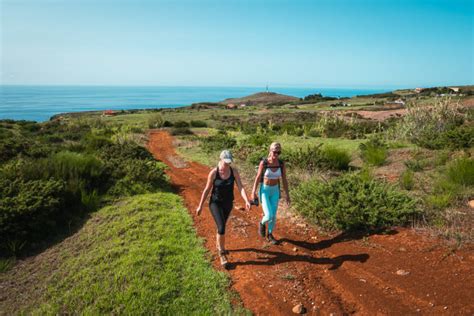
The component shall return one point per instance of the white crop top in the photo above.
(269, 174)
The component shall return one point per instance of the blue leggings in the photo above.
(269, 195)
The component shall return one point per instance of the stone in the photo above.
(299, 309)
(295, 249)
(402, 272)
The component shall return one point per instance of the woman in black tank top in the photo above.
(221, 180)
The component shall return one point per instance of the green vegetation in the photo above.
(353, 201)
(139, 256)
(456, 181)
(407, 180)
(435, 127)
(311, 158)
(374, 152)
(63, 172)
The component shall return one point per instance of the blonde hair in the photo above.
(274, 145)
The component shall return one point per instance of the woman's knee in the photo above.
(221, 230)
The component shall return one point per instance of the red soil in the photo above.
(341, 274)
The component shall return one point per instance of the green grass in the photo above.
(140, 256)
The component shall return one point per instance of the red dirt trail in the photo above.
(341, 274)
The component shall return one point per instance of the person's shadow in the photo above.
(342, 237)
(276, 257)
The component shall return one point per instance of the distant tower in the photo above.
(266, 89)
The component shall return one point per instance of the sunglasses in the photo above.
(277, 152)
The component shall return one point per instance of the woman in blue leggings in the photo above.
(270, 171)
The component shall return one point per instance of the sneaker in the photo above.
(272, 239)
(224, 262)
(261, 229)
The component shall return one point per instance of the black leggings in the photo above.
(220, 212)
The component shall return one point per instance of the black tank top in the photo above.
(223, 189)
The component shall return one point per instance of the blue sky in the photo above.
(337, 43)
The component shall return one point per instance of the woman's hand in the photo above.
(199, 210)
(247, 205)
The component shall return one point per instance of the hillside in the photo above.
(261, 98)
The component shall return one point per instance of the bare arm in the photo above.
(257, 180)
(241, 188)
(210, 179)
(285, 184)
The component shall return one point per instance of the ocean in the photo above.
(39, 103)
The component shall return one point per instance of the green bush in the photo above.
(175, 131)
(439, 201)
(416, 165)
(218, 142)
(181, 124)
(353, 201)
(94, 142)
(313, 157)
(407, 180)
(140, 177)
(198, 124)
(457, 138)
(314, 133)
(29, 210)
(167, 124)
(434, 127)
(308, 158)
(461, 171)
(156, 120)
(258, 140)
(374, 152)
(334, 158)
(452, 184)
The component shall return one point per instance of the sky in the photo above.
(323, 43)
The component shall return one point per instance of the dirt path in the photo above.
(338, 274)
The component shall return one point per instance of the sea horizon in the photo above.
(41, 102)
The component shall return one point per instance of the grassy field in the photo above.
(139, 256)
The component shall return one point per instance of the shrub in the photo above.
(198, 124)
(313, 157)
(94, 142)
(167, 124)
(407, 180)
(258, 140)
(314, 133)
(457, 138)
(181, 124)
(374, 152)
(140, 177)
(256, 155)
(29, 210)
(353, 201)
(11, 147)
(334, 158)
(156, 120)
(175, 131)
(416, 165)
(439, 201)
(332, 126)
(309, 158)
(461, 171)
(432, 126)
(218, 142)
